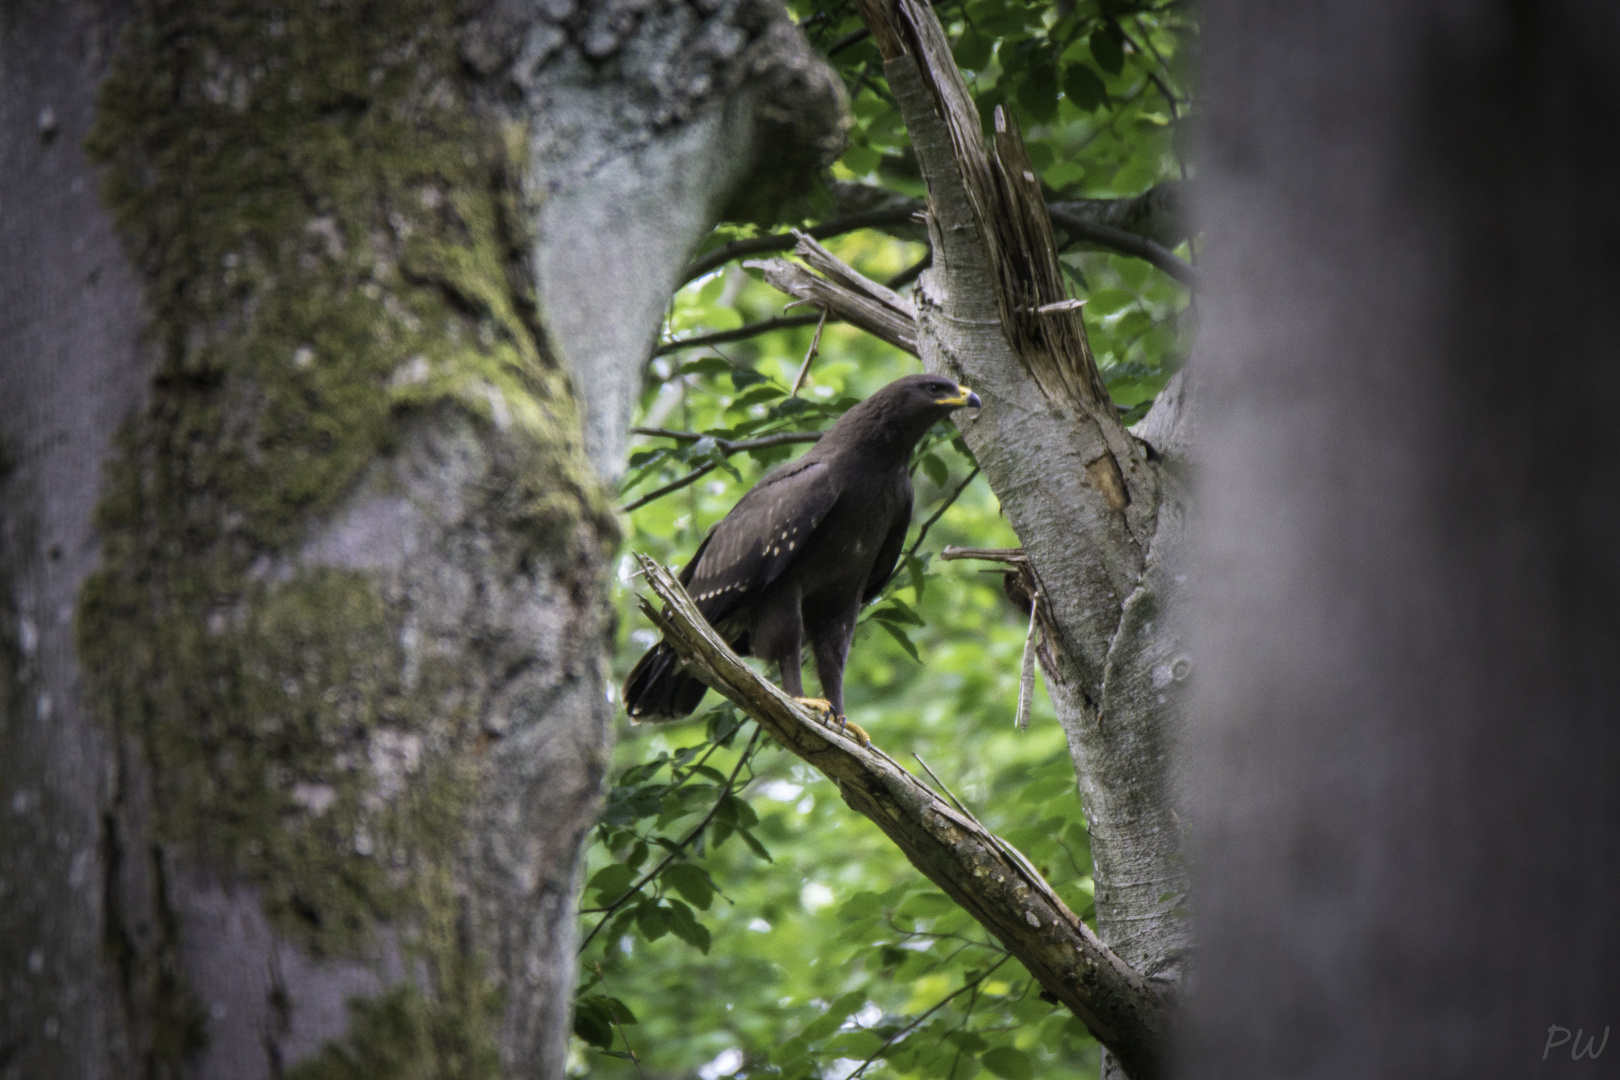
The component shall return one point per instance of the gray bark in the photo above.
(303, 674)
(1406, 736)
(71, 373)
(715, 107)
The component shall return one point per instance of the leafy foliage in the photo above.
(737, 918)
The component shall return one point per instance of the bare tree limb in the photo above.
(831, 284)
(1125, 243)
(1124, 1011)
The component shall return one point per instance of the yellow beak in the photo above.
(964, 396)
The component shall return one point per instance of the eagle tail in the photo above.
(659, 688)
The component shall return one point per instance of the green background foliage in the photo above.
(738, 918)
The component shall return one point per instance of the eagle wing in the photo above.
(763, 534)
(888, 555)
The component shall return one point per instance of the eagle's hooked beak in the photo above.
(964, 396)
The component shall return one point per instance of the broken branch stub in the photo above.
(985, 875)
(835, 287)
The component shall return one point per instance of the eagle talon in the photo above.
(824, 710)
(851, 728)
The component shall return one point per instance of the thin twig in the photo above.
(909, 1028)
(613, 1015)
(967, 1017)
(912, 272)
(725, 446)
(733, 446)
(946, 505)
(741, 333)
(815, 347)
(1026, 671)
(608, 912)
(889, 217)
(1003, 555)
(949, 793)
(674, 485)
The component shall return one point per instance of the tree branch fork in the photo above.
(1126, 1012)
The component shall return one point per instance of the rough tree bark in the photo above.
(1406, 739)
(304, 547)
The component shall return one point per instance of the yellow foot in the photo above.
(824, 707)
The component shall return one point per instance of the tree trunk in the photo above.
(305, 551)
(1406, 743)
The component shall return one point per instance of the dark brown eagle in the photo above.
(801, 552)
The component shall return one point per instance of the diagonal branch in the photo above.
(1125, 1012)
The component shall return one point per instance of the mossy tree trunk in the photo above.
(306, 542)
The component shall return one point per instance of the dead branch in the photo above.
(832, 285)
(985, 875)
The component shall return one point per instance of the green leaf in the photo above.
(861, 159)
(789, 1050)
(757, 395)
(863, 905)
(591, 1022)
(1008, 1063)
(754, 845)
(1107, 49)
(684, 925)
(926, 903)
(936, 470)
(900, 635)
(858, 1044)
(839, 1011)
(1107, 301)
(651, 920)
(898, 611)
(611, 881)
(692, 883)
(1038, 95)
(1083, 87)
(706, 365)
(972, 50)
(720, 832)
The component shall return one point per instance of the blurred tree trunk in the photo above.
(305, 542)
(1406, 743)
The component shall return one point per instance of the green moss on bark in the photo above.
(403, 1035)
(323, 222)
